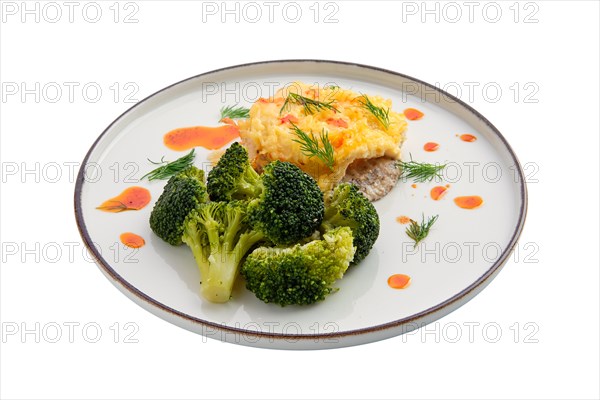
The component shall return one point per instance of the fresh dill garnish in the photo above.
(332, 87)
(170, 168)
(419, 172)
(118, 207)
(310, 145)
(418, 232)
(382, 114)
(309, 105)
(234, 112)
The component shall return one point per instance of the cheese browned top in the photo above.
(354, 132)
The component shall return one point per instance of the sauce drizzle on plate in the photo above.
(468, 202)
(211, 138)
(130, 199)
(132, 240)
(412, 114)
(468, 137)
(399, 281)
(431, 146)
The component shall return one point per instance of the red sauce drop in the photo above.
(403, 219)
(467, 138)
(399, 281)
(339, 122)
(431, 146)
(133, 198)
(468, 202)
(288, 118)
(438, 192)
(210, 138)
(413, 114)
(132, 240)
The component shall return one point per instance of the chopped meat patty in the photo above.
(374, 177)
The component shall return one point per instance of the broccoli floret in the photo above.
(290, 206)
(233, 177)
(302, 274)
(182, 193)
(346, 206)
(219, 238)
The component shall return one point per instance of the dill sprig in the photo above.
(419, 172)
(419, 231)
(118, 207)
(382, 114)
(309, 105)
(309, 145)
(235, 112)
(170, 168)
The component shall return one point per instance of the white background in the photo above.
(545, 301)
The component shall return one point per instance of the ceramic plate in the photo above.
(462, 254)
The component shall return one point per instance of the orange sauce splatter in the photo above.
(414, 186)
(339, 122)
(448, 185)
(413, 114)
(210, 138)
(399, 281)
(438, 192)
(467, 138)
(288, 118)
(431, 146)
(132, 240)
(133, 198)
(468, 202)
(403, 219)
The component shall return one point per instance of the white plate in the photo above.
(463, 253)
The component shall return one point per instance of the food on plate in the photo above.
(285, 203)
(420, 172)
(168, 169)
(281, 211)
(219, 236)
(131, 199)
(346, 206)
(300, 274)
(300, 122)
(419, 231)
(229, 113)
(375, 177)
(183, 193)
(233, 177)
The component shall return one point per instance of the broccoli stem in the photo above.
(225, 263)
(192, 239)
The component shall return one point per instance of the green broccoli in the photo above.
(219, 238)
(290, 206)
(346, 206)
(233, 177)
(302, 274)
(182, 193)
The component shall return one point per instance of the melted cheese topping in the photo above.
(354, 132)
